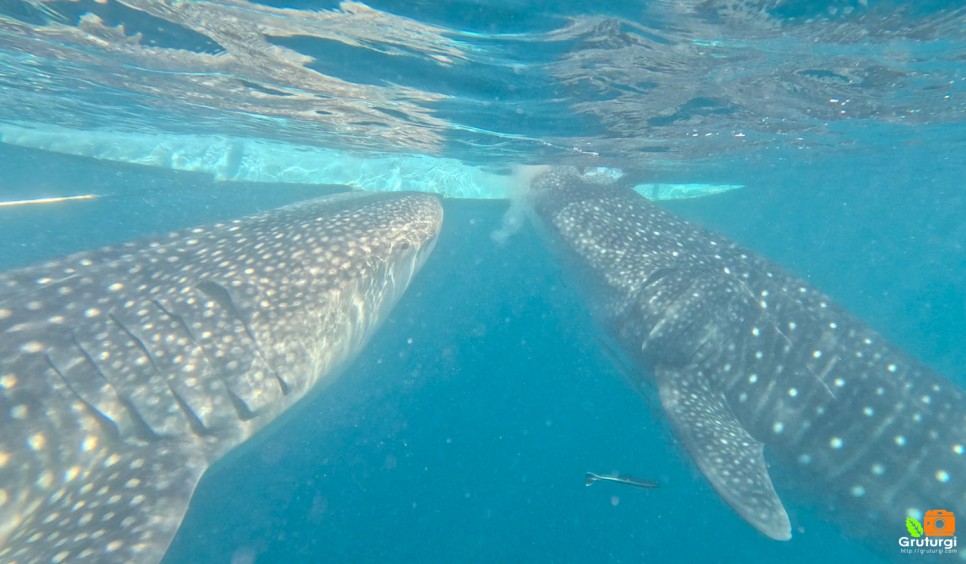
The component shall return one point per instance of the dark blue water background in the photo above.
(464, 430)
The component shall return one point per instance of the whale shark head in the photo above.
(595, 228)
(125, 372)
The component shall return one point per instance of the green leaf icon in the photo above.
(914, 527)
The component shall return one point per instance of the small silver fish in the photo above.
(590, 478)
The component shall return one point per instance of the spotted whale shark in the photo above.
(125, 372)
(749, 361)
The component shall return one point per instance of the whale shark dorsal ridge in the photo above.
(125, 372)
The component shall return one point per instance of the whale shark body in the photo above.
(746, 358)
(125, 372)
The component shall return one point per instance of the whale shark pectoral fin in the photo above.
(730, 458)
(125, 506)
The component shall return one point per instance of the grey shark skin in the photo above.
(746, 357)
(125, 372)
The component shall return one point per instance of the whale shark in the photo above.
(750, 362)
(125, 372)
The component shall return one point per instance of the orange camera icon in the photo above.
(939, 523)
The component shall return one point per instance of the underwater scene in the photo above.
(497, 281)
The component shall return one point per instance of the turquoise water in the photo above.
(463, 432)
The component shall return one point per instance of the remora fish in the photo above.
(125, 372)
(746, 356)
(590, 478)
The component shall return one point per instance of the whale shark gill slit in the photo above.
(223, 298)
(108, 426)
